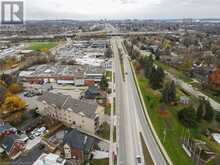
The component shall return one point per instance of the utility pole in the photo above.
(164, 135)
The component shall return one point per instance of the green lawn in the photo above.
(174, 71)
(104, 131)
(109, 75)
(114, 134)
(213, 94)
(107, 110)
(168, 122)
(37, 46)
(100, 162)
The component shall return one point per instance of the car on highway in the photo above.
(138, 158)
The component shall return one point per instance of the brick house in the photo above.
(78, 146)
(214, 79)
(13, 146)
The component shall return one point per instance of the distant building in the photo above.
(214, 79)
(78, 146)
(63, 74)
(74, 113)
(93, 75)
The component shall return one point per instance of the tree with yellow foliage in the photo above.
(15, 88)
(13, 103)
(44, 50)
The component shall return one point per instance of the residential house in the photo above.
(78, 146)
(13, 146)
(93, 75)
(92, 92)
(49, 159)
(214, 79)
(184, 100)
(72, 112)
(201, 72)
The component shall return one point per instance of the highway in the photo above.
(131, 117)
(128, 136)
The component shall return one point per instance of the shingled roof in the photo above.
(70, 104)
(76, 139)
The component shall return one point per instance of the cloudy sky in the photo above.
(121, 9)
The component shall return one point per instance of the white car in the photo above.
(42, 129)
(138, 158)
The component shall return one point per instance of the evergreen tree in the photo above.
(205, 111)
(187, 117)
(156, 78)
(103, 83)
(169, 93)
(148, 66)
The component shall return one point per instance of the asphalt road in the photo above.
(128, 136)
(131, 118)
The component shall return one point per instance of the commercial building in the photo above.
(61, 74)
(77, 75)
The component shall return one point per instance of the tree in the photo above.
(218, 117)
(7, 78)
(187, 117)
(44, 50)
(3, 91)
(205, 111)
(169, 93)
(15, 88)
(148, 65)
(13, 103)
(156, 78)
(103, 83)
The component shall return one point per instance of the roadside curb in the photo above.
(161, 147)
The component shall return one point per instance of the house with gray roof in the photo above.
(72, 112)
(78, 145)
(13, 146)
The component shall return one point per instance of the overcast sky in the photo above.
(121, 9)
